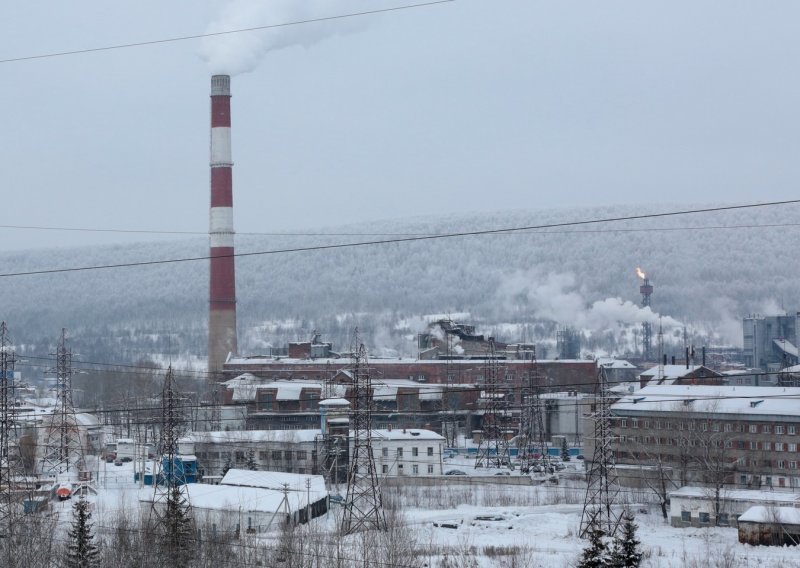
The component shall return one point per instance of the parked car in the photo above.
(455, 472)
(579, 457)
(127, 459)
(502, 473)
(117, 462)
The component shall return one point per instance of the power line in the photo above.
(407, 239)
(350, 234)
(222, 33)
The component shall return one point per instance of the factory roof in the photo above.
(611, 363)
(786, 346)
(346, 361)
(314, 484)
(406, 434)
(747, 495)
(668, 374)
(247, 436)
(243, 499)
(761, 401)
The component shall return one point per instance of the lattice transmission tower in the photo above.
(493, 446)
(63, 450)
(532, 432)
(602, 488)
(10, 461)
(363, 507)
(171, 510)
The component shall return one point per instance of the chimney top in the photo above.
(220, 85)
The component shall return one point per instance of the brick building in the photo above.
(736, 437)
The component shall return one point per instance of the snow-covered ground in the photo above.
(482, 522)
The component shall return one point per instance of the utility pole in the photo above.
(63, 451)
(493, 447)
(363, 507)
(602, 487)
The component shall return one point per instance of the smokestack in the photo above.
(222, 281)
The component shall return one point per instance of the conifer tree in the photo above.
(227, 466)
(626, 553)
(251, 461)
(82, 552)
(597, 553)
(564, 451)
(178, 537)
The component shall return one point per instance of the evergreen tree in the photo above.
(626, 553)
(82, 552)
(227, 466)
(178, 529)
(597, 553)
(251, 461)
(564, 451)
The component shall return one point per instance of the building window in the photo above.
(686, 516)
(778, 446)
(276, 455)
(430, 468)
(715, 427)
(792, 447)
(728, 444)
(635, 423)
(262, 456)
(430, 451)
(400, 469)
(766, 429)
(705, 518)
(623, 423)
(739, 444)
(287, 455)
(723, 519)
(728, 428)
(302, 454)
(415, 469)
(767, 445)
(414, 452)
(792, 465)
(790, 430)
(753, 429)
(779, 429)
(399, 452)
(385, 468)
(385, 452)
(781, 464)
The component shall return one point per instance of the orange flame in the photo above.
(639, 273)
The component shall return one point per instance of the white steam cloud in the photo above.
(557, 297)
(237, 53)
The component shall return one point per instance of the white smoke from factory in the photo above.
(559, 298)
(237, 53)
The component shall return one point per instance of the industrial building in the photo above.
(697, 506)
(740, 437)
(770, 342)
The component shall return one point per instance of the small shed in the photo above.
(770, 526)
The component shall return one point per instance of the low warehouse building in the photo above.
(770, 526)
(697, 506)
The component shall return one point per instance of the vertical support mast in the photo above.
(363, 507)
(10, 462)
(222, 278)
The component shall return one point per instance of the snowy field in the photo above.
(478, 522)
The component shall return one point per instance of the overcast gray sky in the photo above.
(467, 106)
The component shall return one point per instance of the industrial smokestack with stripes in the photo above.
(222, 281)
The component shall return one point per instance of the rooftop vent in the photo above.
(754, 403)
(638, 399)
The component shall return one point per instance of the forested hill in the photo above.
(712, 275)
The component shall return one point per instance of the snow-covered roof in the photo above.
(406, 434)
(786, 346)
(611, 363)
(762, 401)
(748, 495)
(315, 484)
(761, 514)
(378, 361)
(244, 499)
(246, 436)
(334, 402)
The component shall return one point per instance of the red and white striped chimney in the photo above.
(222, 288)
